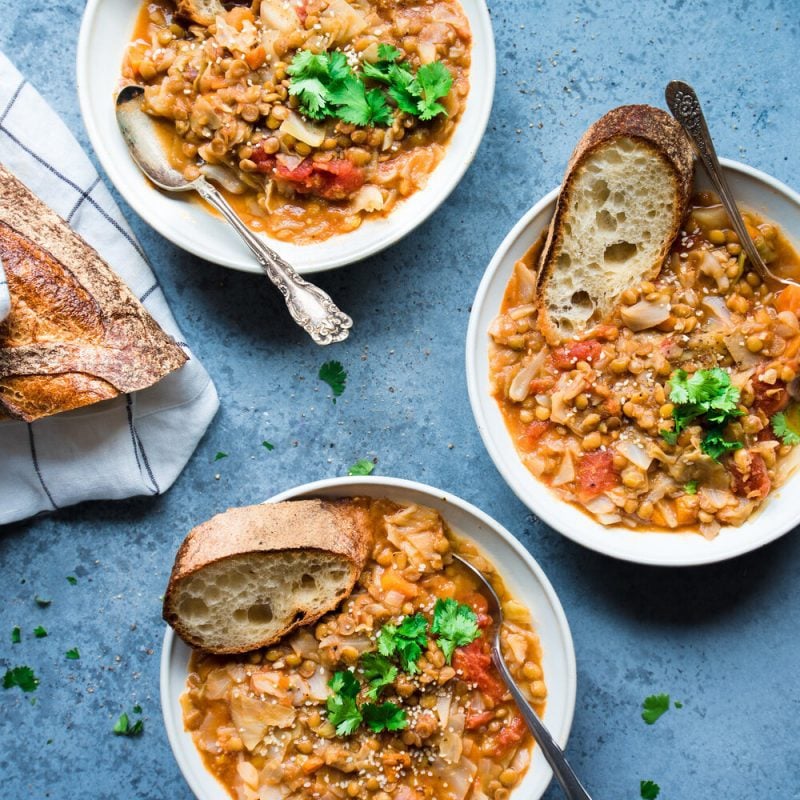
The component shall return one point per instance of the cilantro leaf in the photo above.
(22, 677)
(137, 709)
(362, 467)
(220, 455)
(385, 717)
(405, 641)
(356, 105)
(16, 635)
(649, 790)
(654, 706)
(41, 602)
(333, 373)
(456, 624)
(313, 96)
(715, 444)
(434, 81)
(379, 671)
(73, 654)
(690, 487)
(343, 711)
(123, 727)
(345, 684)
(783, 429)
(72, 580)
(678, 704)
(268, 445)
(670, 437)
(39, 632)
(388, 52)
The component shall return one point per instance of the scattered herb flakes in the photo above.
(678, 704)
(343, 711)
(39, 632)
(16, 635)
(137, 709)
(72, 580)
(784, 429)
(333, 373)
(41, 602)
(691, 487)
(268, 445)
(384, 717)
(456, 625)
(123, 726)
(22, 677)
(649, 790)
(654, 706)
(406, 641)
(73, 654)
(362, 467)
(378, 671)
(220, 455)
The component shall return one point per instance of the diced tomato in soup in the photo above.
(596, 474)
(770, 398)
(334, 180)
(568, 356)
(753, 483)
(475, 666)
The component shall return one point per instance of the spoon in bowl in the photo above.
(685, 107)
(565, 775)
(311, 308)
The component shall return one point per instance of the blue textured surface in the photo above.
(722, 639)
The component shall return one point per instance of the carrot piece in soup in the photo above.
(392, 580)
(788, 299)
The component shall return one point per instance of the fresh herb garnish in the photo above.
(72, 580)
(456, 625)
(783, 429)
(123, 726)
(690, 487)
(362, 467)
(73, 654)
(333, 373)
(654, 706)
(678, 704)
(22, 677)
(16, 635)
(268, 445)
(41, 602)
(343, 711)
(384, 717)
(715, 444)
(378, 671)
(39, 632)
(649, 790)
(405, 641)
(220, 455)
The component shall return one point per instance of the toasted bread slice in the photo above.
(620, 208)
(203, 12)
(247, 577)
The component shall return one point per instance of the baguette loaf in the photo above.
(247, 577)
(620, 208)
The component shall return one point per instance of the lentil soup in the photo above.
(680, 411)
(224, 93)
(282, 722)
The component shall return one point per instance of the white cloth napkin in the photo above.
(135, 444)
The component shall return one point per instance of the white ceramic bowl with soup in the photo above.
(754, 190)
(523, 578)
(106, 31)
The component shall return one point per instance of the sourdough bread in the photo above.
(247, 577)
(620, 208)
(203, 12)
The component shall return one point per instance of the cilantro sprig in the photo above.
(405, 641)
(362, 467)
(456, 625)
(124, 727)
(708, 397)
(384, 717)
(784, 430)
(378, 671)
(654, 706)
(16, 635)
(22, 677)
(334, 374)
(343, 711)
(649, 790)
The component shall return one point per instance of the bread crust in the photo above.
(75, 334)
(203, 12)
(656, 130)
(340, 528)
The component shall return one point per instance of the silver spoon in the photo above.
(685, 107)
(311, 308)
(565, 775)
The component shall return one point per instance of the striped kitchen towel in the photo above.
(135, 444)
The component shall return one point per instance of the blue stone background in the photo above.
(722, 639)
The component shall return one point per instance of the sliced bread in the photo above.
(620, 208)
(247, 577)
(203, 12)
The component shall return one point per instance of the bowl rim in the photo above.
(337, 254)
(174, 728)
(548, 512)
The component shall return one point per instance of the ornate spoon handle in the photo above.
(311, 308)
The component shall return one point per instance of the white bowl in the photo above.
(754, 190)
(106, 30)
(523, 577)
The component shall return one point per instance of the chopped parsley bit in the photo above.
(405, 641)
(333, 373)
(456, 624)
(22, 677)
(72, 580)
(41, 602)
(362, 467)
(73, 654)
(649, 790)
(783, 429)
(16, 635)
(220, 455)
(268, 445)
(678, 704)
(385, 717)
(691, 487)
(39, 632)
(123, 727)
(378, 671)
(343, 711)
(654, 706)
